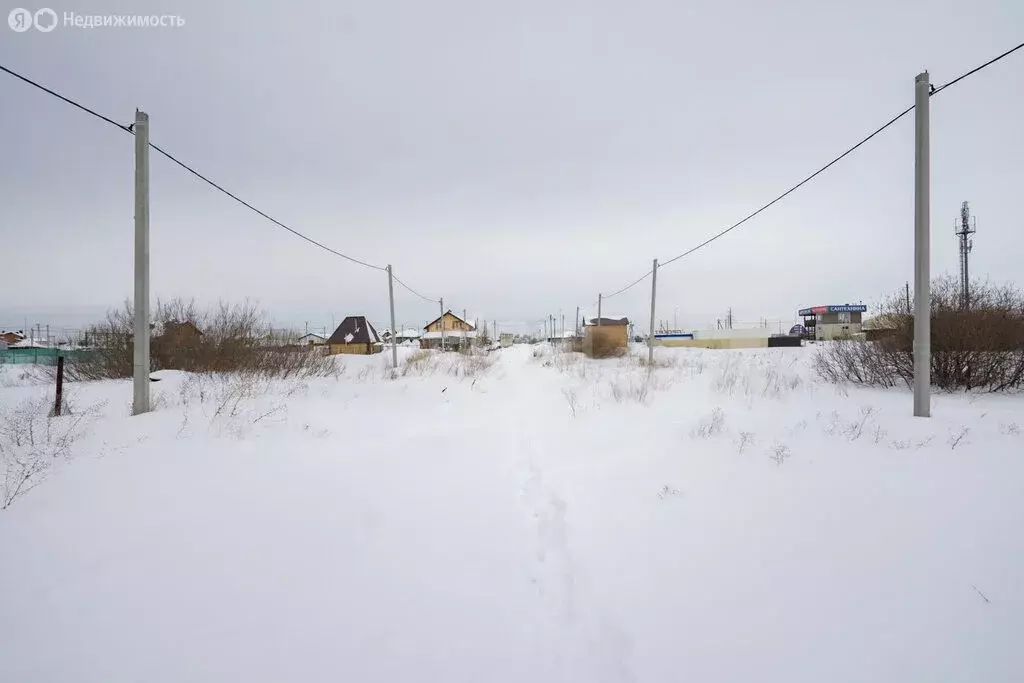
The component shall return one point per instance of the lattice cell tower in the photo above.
(965, 227)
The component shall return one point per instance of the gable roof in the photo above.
(355, 329)
(448, 312)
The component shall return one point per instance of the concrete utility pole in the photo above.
(654, 295)
(922, 246)
(599, 310)
(442, 323)
(140, 393)
(394, 332)
(576, 329)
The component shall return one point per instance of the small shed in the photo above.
(355, 335)
(606, 337)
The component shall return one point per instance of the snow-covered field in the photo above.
(546, 518)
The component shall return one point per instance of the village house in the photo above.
(11, 337)
(456, 333)
(312, 339)
(355, 335)
(175, 334)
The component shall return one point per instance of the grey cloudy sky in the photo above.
(515, 157)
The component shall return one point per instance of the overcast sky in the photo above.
(515, 158)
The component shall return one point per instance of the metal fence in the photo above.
(38, 356)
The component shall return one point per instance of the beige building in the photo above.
(607, 339)
(456, 333)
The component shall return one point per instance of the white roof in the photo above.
(26, 344)
(448, 334)
(313, 334)
(410, 333)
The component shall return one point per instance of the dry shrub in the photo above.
(974, 345)
(665, 361)
(31, 442)
(424, 363)
(234, 338)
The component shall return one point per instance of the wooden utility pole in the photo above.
(59, 400)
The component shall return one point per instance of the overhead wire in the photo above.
(425, 298)
(976, 69)
(838, 158)
(629, 286)
(128, 129)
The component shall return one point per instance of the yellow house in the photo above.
(455, 331)
(355, 335)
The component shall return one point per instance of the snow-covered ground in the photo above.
(547, 518)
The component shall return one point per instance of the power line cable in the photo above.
(791, 190)
(629, 286)
(428, 299)
(838, 158)
(65, 99)
(188, 168)
(253, 208)
(977, 69)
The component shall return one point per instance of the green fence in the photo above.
(38, 356)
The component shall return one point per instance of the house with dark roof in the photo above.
(355, 335)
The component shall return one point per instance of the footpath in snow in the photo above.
(531, 516)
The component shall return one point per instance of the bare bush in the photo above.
(709, 425)
(779, 453)
(745, 439)
(855, 429)
(31, 442)
(957, 437)
(975, 344)
(571, 398)
(660, 361)
(424, 363)
(227, 338)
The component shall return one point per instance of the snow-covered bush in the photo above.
(31, 442)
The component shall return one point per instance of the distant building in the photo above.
(507, 339)
(11, 337)
(355, 335)
(836, 321)
(605, 337)
(456, 333)
(408, 336)
(174, 334)
(312, 339)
